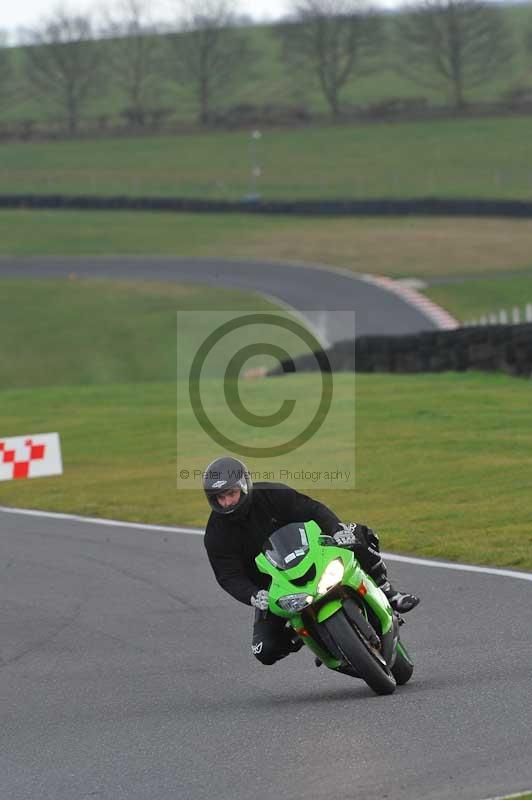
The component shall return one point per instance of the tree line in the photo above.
(68, 59)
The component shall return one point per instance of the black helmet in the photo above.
(223, 474)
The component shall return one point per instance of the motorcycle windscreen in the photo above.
(287, 546)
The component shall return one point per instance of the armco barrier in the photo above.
(422, 206)
(501, 348)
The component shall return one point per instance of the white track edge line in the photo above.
(426, 562)
(423, 562)
(509, 796)
(101, 521)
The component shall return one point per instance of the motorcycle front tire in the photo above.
(359, 654)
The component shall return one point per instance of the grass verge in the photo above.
(444, 461)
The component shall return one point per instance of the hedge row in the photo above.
(428, 206)
(497, 348)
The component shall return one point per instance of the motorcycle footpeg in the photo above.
(295, 644)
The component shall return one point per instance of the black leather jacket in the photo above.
(232, 544)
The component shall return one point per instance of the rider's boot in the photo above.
(399, 601)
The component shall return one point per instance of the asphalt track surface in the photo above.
(126, 673)
(307, 289)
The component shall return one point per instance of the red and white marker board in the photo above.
(33, 456)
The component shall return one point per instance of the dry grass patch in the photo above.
(395, 247)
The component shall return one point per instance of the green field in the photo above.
(80, 332)
(485, 157)
(440, 459)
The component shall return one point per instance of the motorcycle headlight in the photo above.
(295, 602)
(332, 575)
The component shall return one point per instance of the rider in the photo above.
(244, 515)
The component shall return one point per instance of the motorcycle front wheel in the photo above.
(361, 655)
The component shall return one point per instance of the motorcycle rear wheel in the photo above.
(360, 654)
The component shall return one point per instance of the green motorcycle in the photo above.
(334, 606)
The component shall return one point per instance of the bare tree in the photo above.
(6, 72)
(211, 53)
(527, 39)
(452, 44)
(135, 55)
(333, 39)
(63, 62)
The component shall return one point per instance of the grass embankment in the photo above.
(446, 158)
(443, 460)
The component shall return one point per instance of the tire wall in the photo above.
(496, 348)
(429, 206)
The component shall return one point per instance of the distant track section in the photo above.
(315, 292)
